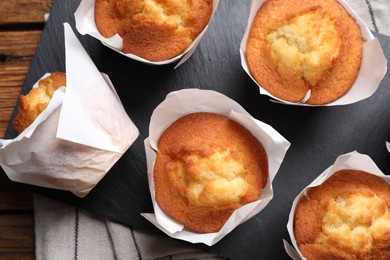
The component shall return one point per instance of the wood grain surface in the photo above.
(21, 24)
(24, 12)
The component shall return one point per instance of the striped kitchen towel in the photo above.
(375, 13)
(65, 232)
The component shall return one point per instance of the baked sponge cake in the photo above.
(297, 46)
(155, 30)
(347, 217)
(207, 166)
(32, 104)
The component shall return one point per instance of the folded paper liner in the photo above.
(75, 141)
(85, 24)
(372, 70)
(353, 160)
(186, 101)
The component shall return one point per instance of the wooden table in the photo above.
(21, 24)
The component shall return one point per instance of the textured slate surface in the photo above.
(318, 135)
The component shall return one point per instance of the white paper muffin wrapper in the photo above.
(80, 135)
(85, 24)
(353, 161)
(180, 103)
(372, 70)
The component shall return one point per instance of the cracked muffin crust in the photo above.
(347, 217)
(294, 47)
(155, 30)
(207, 166)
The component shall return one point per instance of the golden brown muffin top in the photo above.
(32, 104)
(347, 217)
(306, 45)
(297, 46)
(155, 30)
(207, 166)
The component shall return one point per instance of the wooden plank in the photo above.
(16, 229)
(15, 220)
(17, 256)
(16, 51)
(15, 200)
(24, 11)
(20, 32)
(18, 44)
(16, 234)
(12, 76)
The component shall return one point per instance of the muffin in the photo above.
(155, 30)
(347, 217)
(300, 47)
(207, 166)
(32, 104)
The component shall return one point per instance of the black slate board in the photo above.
(318, 134)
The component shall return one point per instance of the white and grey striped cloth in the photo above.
(65, 232)
(375, 13)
